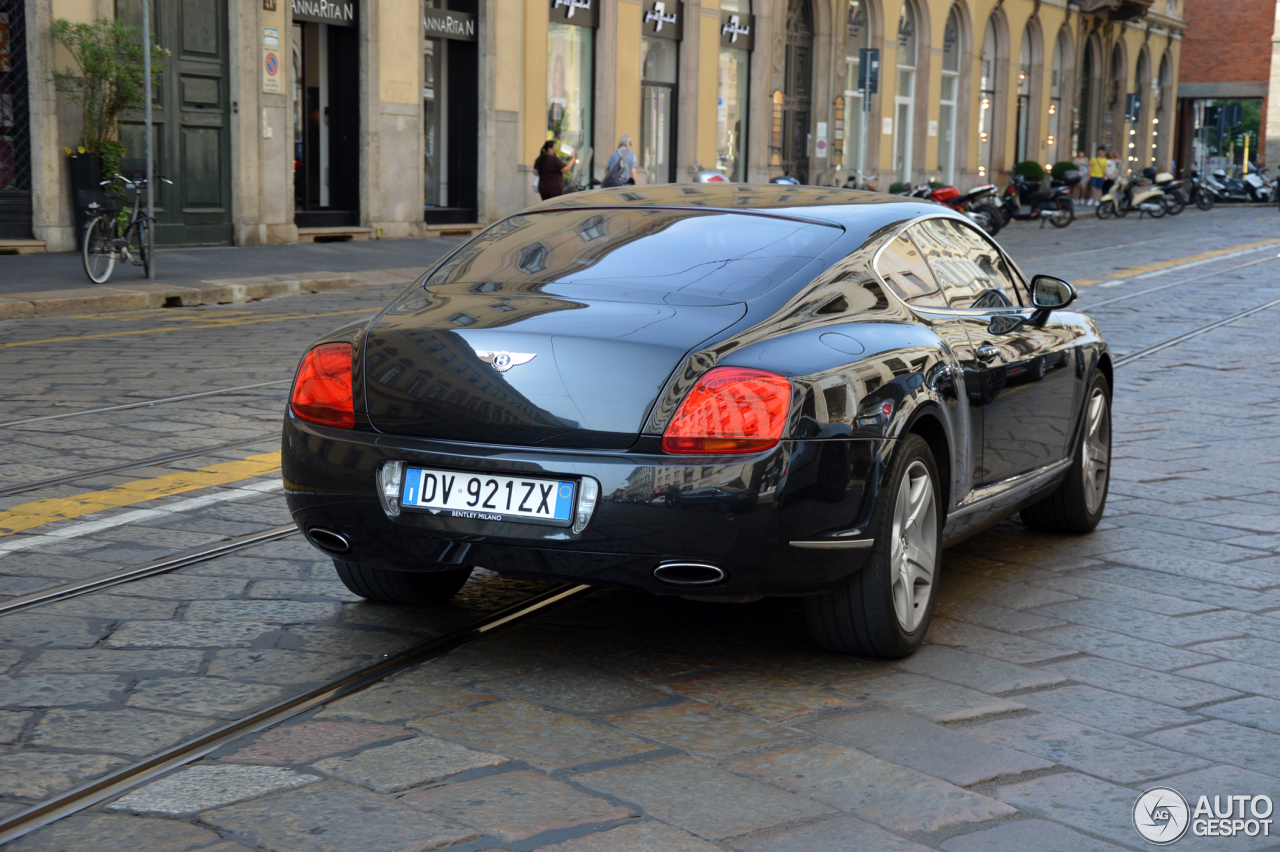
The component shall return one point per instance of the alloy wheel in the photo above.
(913, 556)
(1097, 451)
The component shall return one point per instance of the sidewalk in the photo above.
(39, 285)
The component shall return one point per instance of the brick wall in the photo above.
(1227, 41)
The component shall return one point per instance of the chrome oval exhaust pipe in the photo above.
(689, 574)
(329, 541)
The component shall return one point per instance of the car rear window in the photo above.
(641, 254)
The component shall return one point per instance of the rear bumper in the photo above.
(738, 513)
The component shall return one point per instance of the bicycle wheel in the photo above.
(99, 255)
(141, 246)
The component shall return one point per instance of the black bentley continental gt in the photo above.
(716, 390)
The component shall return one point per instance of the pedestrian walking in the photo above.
(621, 169)
(1097, 174)
(1081, 190)
(551, 170)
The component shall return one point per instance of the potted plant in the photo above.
(107, 83)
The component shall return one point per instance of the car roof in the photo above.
(855, 210)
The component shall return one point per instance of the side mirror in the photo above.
(1049, 293)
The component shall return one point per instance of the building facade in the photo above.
(1230, 53)
(281, 120)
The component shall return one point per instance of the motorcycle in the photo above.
(976, 204)
(1025, 202)
(1200, 194)
(1126, 196)
(1254, 187)
(1260, 186)
(1174, 195)
(701, 175)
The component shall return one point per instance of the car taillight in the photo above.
(730, 410)
(322, 388)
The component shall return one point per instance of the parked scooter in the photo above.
(1024, 202)
(1260, 186)
(1175, 194)
(1127, 195)
(979, 204)
(701, 175)
(1254, 187)
(1200, 194)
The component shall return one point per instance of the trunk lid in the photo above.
(511, 363)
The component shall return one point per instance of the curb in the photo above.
(137, 297)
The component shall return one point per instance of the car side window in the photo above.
(903, 268)
(971, 271)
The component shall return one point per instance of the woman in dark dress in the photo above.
(551, 170)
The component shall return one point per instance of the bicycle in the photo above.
(105, 241)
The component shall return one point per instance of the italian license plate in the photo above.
(488, 498)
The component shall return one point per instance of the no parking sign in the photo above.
(271, 82)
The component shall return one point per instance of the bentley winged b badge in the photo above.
(503, 361)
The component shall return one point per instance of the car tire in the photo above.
(416, 588)
(1076, 506)
(884, 609)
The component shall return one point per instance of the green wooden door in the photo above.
(191, 121)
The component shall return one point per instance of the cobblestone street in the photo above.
(1061, 677)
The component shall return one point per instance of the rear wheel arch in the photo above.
(927, 423)
(1104, 364)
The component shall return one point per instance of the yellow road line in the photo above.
(223, 324)
(40, 512)
(1178, 261)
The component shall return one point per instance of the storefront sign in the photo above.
(340, 13)
(272, 74)
(438, 23)
(737, 30)
(583, 13)
(664, 19)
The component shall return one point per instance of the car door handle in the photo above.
(988, 353)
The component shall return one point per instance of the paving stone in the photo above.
(202, 696)
(1241, 676)
(762, 695)
(894, 797)
(9, 657)
(805, 665)
(363, 643)
(989, 615)
(538, 737)
(699, 729)
(204, 786)
(1110, 711)
(1184, 564)
(842, 834)
(58, 690)
(703, 799)
(170, 634)
(975, 671)
(1096, 589)
(185, 587)
(334, 817)
(273, 666)
(171, 661)
(935, 700)
(408, 763)
(1157, 583)
(115, 833)
(302, 743)
(641, 837)
(1121, 648)
(392, 702)
(1251, 712)
(11, 725)
(1087, 749)
(514, 806)
(1222, 781)
(41, 630)
(1088, 804)
(1026, 834)
(575, 691)
(467, 667)
(37, 775)
(132, 732)
(911, 741)
(262, 611)
(119, 607)
(1258, 652)
(1225, 742)
(991, 643)
(1142, 683)
(1150, 626)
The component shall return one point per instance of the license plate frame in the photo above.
(492, 502)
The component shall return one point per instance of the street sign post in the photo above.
(146, 136)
